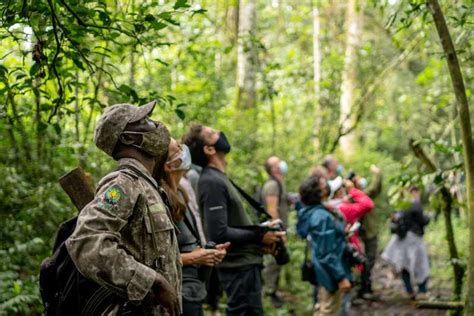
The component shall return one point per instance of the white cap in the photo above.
(335, 185)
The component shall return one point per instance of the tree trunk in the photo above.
(232, 20)
(316, 75)
(349, 75)
(447, 206)
(39, 135)
(131, 82)
(246, 56)
(466, 133)
(24, 141)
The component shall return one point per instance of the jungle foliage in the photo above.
(63, 61)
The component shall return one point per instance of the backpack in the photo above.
(65, 291)
(399, 224)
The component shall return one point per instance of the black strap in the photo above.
(280, 190)
(191, 225)
(306, 249)
(256, 205)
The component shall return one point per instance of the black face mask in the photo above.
(222, 145)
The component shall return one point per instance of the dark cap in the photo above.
(113, 122)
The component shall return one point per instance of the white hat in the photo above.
(335, 185)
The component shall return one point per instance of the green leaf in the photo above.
(158, 25)
(76, 59)
(42, 126)
(138, 27)
(150, 18)
(57, 128)
(129, 92)
(3, 71)
(181, 4)
(104, 17)
(180, 114)
(199, 11)
(167, 16)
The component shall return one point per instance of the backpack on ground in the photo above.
(399, 224)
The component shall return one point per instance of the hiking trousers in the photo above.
(243, 287)
(370, 246)
(329, 304)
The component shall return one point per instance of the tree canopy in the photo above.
(272, 74)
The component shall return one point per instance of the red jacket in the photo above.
(353, 211)
(360, 206)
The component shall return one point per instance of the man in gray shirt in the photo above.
(275, 199)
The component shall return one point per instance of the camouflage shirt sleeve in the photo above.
(96, 245)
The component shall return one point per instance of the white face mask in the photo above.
(283, 167)
(363, 183)
(185, 156)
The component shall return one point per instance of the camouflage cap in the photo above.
(113, 122)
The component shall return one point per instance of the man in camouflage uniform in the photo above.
(124, 239)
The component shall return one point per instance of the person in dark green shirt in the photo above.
(369, 233)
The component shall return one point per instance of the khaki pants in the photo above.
(271, 274)
(329, 303)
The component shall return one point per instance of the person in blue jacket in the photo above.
(325, 229)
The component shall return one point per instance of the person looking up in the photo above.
(332, 166)
(326, 230)
(369, 233)
(124, 239)
(193, 255)
(225, 220)
(275, 199)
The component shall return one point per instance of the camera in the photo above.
(353, 256)
(210, 245)
(282, 256)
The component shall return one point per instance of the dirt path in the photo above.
(393, 301)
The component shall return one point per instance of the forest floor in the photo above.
(389, 287)
(392, 298)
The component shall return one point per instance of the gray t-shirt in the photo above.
(272, 188)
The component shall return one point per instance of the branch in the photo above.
(53, 63)
(420, 154)
(369, 91)
(440, 305)
(74, 14)
(84, 24)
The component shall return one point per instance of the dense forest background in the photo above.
(299, 79)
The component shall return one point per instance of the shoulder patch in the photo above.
(113, 195)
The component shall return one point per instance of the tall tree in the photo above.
(349, 75)
(316, 73)
(466, 134)
(246, 55)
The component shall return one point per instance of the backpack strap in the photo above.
(280, 189)
(255, 205)
(306, 248)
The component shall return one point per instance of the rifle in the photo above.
(76, 184)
